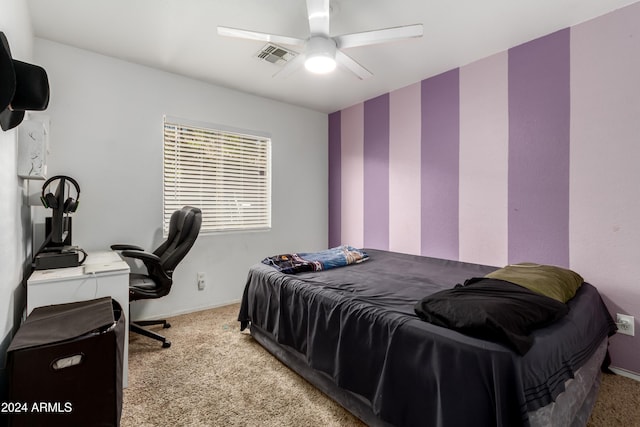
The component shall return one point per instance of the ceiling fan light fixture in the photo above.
(321, 55)
(320, 64)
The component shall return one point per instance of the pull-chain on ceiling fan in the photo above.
(321, 52)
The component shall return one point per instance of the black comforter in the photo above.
(357, 325)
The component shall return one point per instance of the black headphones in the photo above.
(49, 200)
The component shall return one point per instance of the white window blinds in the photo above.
(226, 174)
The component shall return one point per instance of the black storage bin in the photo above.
(65, 365)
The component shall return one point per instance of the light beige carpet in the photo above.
(214, 375)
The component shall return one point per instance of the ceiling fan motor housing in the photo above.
(321, 54)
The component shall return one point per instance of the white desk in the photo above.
(110, 277)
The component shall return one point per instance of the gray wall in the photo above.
(14, 214)
(106, 132)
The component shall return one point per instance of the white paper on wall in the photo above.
(32, 149)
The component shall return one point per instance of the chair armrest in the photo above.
(152, 264)
(141, 255)
(121, 247)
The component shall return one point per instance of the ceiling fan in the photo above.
(321, 52)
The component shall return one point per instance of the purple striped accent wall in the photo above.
(440, 164)
(404, 169)
(605, 201)
(539, 117)
(352, 175)
(484, 147)
(335, 180)
(376, 173)
(528, 155)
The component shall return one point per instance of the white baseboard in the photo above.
(189, 310)
(202, 308)
(625, 373)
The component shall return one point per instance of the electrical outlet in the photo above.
(625, 324)
(201, 281)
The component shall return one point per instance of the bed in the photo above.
(354, 333)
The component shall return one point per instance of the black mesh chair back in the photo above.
(184, 228)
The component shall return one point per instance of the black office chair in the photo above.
(183, 231)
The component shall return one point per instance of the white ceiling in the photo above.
(180, 36)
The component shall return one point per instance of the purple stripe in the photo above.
(376, 173)
(539, 108)
(335, 180)
(440, 148)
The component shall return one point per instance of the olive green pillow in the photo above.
(555, 282)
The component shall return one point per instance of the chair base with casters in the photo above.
(137, 327)
(142, 287)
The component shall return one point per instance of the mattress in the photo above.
(354, 330)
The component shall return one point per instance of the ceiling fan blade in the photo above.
(254, 35)
(291, 66)
(350, 64)
(378, 36)
(318, 11)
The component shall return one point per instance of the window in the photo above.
(224, 173)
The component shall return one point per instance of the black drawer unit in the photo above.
(65, 366)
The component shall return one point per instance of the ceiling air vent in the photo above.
(275, 54)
